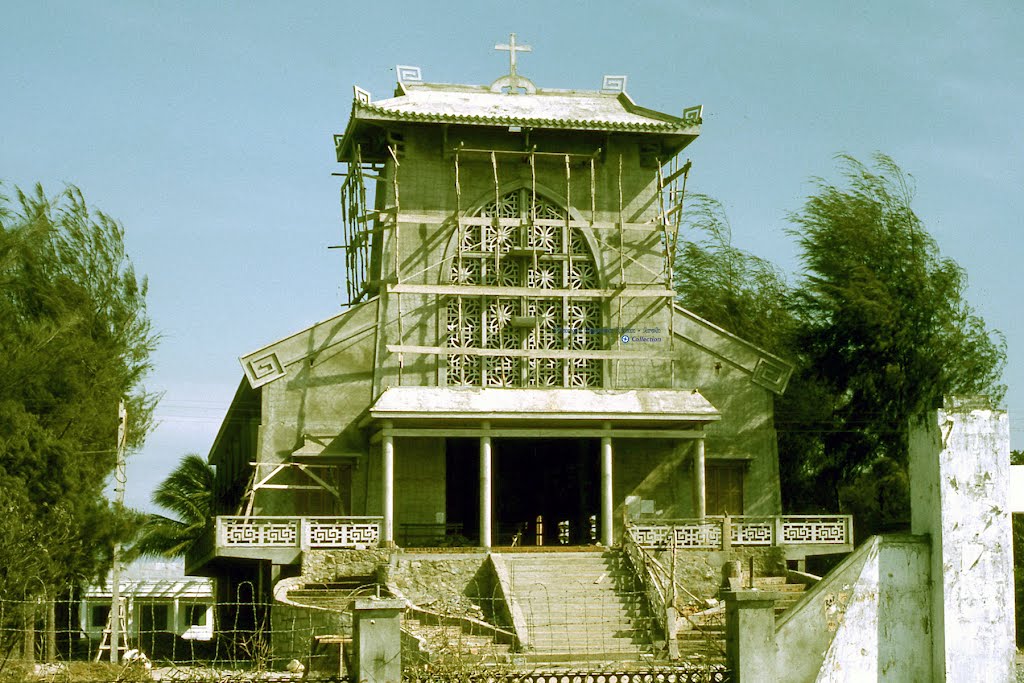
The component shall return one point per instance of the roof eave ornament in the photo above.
(693, 116)
(613, 84)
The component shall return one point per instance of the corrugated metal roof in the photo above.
(192, 587)
(545, 108)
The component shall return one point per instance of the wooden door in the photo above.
(724, 488)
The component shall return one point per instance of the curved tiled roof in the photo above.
(543, 109)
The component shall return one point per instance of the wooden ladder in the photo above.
(122, 645)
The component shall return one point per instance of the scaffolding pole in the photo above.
(622, 277)
(396, 245)
(568, 228)
(495, 217)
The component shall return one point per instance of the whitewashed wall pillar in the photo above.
(699, 490)
(485, 488)
(388, 477)
(607, 501)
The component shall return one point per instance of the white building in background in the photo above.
(159, 599)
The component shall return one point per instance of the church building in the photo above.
(512, 366)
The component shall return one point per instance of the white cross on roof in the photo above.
(512, 49)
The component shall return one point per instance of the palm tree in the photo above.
(187, 492)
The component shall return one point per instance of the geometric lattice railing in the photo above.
(298, 532)
(744, 530)
(816, 530)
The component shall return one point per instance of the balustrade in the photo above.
(298, 532)
(744, 530)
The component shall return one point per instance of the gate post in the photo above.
(750, 635)
(377, 640)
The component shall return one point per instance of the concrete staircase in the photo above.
(704, 640)
(337, 596)
(454, 643)
(580, 606)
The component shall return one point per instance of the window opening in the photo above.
(527, 244)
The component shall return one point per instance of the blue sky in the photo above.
(206, 128)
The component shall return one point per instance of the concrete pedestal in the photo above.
(750, 635)
(377, 640)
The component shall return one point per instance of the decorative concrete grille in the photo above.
(750, 531)
(284, 532)
(259, 532)
(333, 534)
(815, 530)
(755, 532)
(707, 535)
(538, 251)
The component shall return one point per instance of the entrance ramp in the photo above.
(581, 607)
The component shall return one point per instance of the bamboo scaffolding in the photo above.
(622, 277)
(397, 258)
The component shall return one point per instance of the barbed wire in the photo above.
(195, 639)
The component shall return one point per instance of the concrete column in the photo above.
(699, 493)
(377, 640)
(388, 476)
(485, 488)
(750, 635)
(959, 476)
(607, 502)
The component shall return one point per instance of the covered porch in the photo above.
(511, 453)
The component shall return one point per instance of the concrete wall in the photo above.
(427, 236)
(729, 372)
(866, 621)
(419, 482)
(653, 470)
(934, 606)
(959, 472)
(331, 372)
(324, 393)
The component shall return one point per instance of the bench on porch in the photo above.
(426, 534)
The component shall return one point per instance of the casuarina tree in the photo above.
(884, 333)
(76, 339)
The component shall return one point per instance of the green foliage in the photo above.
(877, 327)
(884, 333)
(187, 492)
(732, 288)
(76, 339)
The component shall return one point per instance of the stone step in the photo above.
(701, 635)
(544, 635)
(575, 601)
(555, 580)
(588, 579)
(580, 607)
(621, 600)
(453, 637)
(580, 621)
(540, 592)
(625, 659)
(607, 645)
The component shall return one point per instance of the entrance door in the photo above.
(557, 480)
(462, 487)
(724, 487)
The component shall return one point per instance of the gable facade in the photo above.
(512, 349)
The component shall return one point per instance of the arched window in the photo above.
(525, 244)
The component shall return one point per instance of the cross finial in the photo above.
(512, 49)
